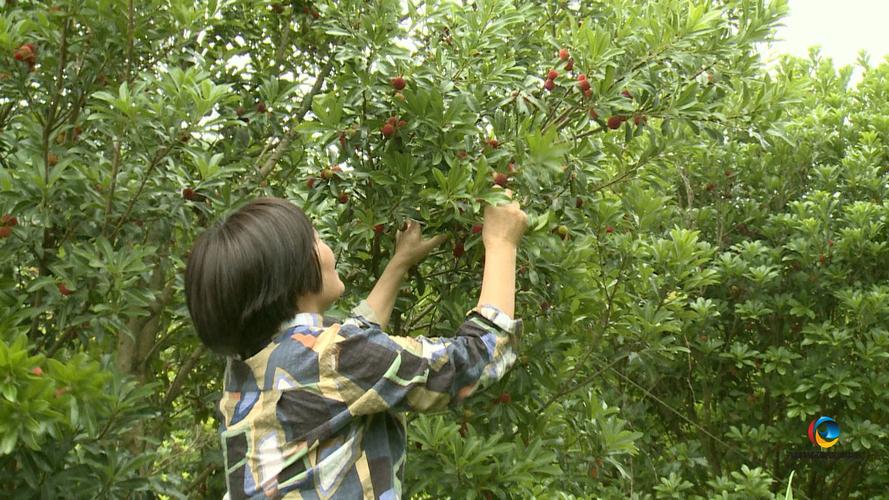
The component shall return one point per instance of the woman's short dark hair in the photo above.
(245, 273)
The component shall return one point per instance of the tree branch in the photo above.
(184, 370)
(159, 344)
(160, 155)
(115, 167)
(266, 167)
(131, 29)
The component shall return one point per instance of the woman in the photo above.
(315, 411)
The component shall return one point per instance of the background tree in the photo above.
(701, 278)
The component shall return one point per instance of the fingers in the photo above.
(436, 241)
(507, 192)
(409, 226)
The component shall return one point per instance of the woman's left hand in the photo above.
(410, 247)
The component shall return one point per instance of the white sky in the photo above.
(841, 27)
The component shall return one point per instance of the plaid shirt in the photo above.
(315, 414)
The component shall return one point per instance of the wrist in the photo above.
(495, 244)
(399, 264)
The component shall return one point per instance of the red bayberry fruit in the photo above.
(336, 168)
(64, 290)
(830, 243)
(822, 258)
(8, 220)
(494, 143)
(552, 74)
(578, 203)
(627, 94)
(59, 392)
(188, 194)
(640, 119)
(614, 122)
(27, 53)
(310, 182)
(401, 123)
(593, 114)
(21, 53)
(549, 85)
(609, 229)
(583, 85)
(5, 231)
(240, 110)
(476, 228)
(544, 306)
(343, 198)
(563, 54)
(581, 77)
(587, 93)
(379, 228)
(387, 130)
(398, 83)
(569, 65)
(392, 120)
(459, 250)
(260, 107)
(37, 371)
(462, 154)
(52, 159)
(504, 398)
(500, 179)
(343, 140)
(511, 168)
(710, 187)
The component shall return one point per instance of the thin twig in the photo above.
(555, 397)
(680, 415)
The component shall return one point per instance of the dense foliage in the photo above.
(702, 276)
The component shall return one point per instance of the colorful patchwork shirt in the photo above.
(317, 413)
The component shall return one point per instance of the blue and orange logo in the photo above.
(824, 431)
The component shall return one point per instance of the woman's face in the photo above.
(332, 286)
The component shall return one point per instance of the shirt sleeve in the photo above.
(373, 371)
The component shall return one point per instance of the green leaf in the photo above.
(546, 150)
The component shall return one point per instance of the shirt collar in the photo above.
(311, 320)
(304, 319)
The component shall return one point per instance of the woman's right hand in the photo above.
(504, 224)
